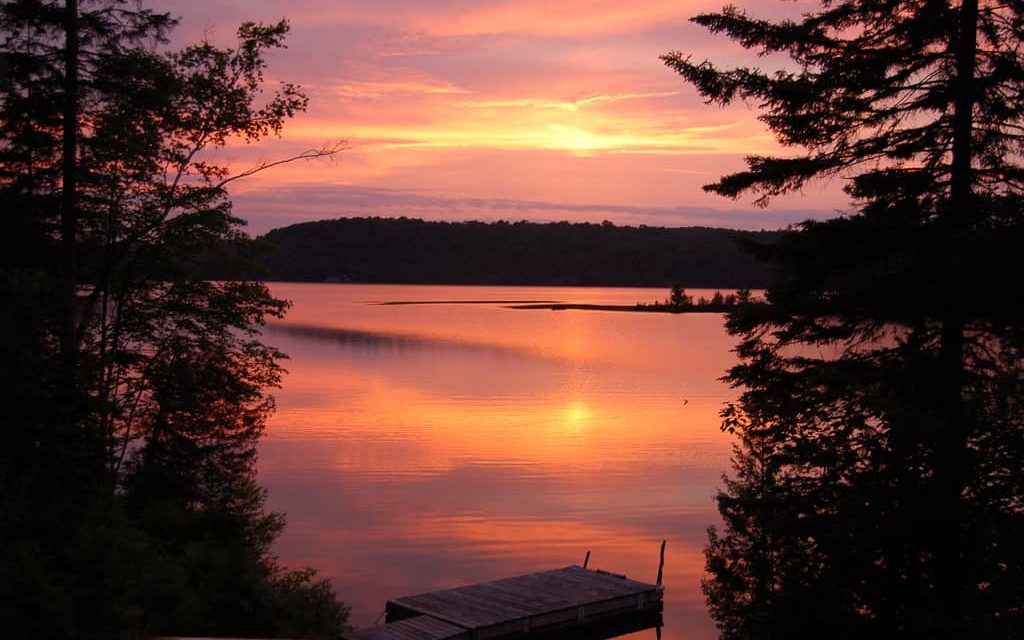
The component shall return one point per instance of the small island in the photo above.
(677, 302)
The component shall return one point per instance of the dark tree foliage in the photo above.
(408, 250)
(877, 487)
(678, 297)
(133, 393)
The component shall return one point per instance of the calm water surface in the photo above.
(426, 446)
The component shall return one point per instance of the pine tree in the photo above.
(888, 364)
(133, 391)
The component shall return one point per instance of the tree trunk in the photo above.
(68, 199)
(953, 430)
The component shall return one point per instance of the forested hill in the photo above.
(404, 250)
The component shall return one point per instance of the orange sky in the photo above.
(510, 109)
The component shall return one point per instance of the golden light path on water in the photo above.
(425, 446)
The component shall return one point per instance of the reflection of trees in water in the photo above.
(382, 341)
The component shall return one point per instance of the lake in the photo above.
(425, 446)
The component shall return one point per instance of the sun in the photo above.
(576, 417)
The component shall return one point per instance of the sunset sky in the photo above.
(510, 109)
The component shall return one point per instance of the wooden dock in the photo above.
(554, 601)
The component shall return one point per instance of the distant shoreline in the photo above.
(639, 308)
(580, 306)
(502, 302)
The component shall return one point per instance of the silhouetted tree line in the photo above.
(132, 393)
(407, 250)
(877, 488)
(679, 301)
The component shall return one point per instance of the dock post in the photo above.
(586, 560)
(661, 562)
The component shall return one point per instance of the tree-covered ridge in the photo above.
(413, 251)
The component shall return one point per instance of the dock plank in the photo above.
(418, 628)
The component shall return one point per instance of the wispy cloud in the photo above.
(368, 90)
(565, 105)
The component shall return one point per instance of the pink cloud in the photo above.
(515, 100)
